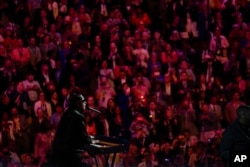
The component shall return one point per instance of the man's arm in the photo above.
(83, 135)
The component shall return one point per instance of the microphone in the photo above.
(92, 109)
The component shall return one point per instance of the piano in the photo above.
(103, 145)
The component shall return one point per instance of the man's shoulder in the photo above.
(74, 114)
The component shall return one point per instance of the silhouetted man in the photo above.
(236, 138)
(71, 135)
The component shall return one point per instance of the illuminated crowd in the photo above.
(167, 76)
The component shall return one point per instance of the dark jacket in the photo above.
(235, 140)
(70, 138)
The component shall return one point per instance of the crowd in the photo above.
(167, 75)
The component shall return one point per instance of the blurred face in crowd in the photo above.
(218, 16)
(51, 87)
(8, 33)
(103, 81)
(90, 101)
(184, 65)
(139, 45)
(54, 95)
(42, 96)
(236, 96)
(53, 28)
(66, 45)
(185, 103)
(152, 106)
(193, 140)
(82, 9)
(40, 113)
(127, 49)
(214, 100)
(167, 146)
(157, 35)
(72, 12)
(127, 33)
(239, 19)
(181, 139)
(64, 92)
(113, 47)
(104, 64)
(126, 89)
(217, 32)
(183, 76)
(28, 160)
(45, 68)
(156, 148)
(97, 39)
(205, 108)
(104, 27)
(32, 41)
(112, 15)
(19, 43)
(117, 110)
(202, 78)
(133, 149)
(46, 39)
(27, 20)
(43, 13)
(30, 77)
(145, 36)
(6, 99)
(111, 103)
(59, 109)
(168, 47)
(14, 111)
(19, 87)
(169, 113)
